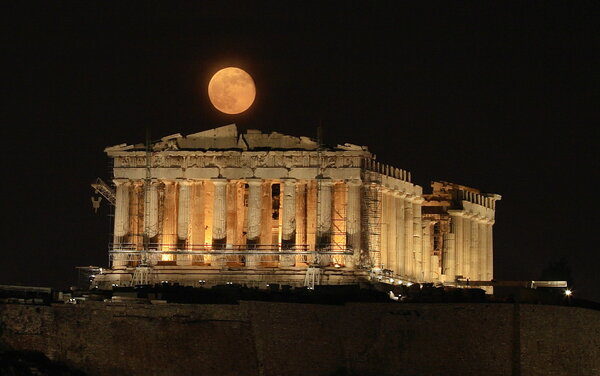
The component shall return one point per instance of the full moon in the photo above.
(231, 90)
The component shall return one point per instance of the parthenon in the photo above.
(253, 208)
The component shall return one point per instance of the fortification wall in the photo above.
(262, 338)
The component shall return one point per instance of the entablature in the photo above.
(240, 159)
(195, 173)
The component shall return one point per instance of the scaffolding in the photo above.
(371, 207)
(143, 271)
(314, 271)
(338, 222)
(313, 277)
(142, 276)
(155, 252)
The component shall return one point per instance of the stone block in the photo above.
(201, 173)
(271, 173)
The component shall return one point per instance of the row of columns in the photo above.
(469, 251)
(254, 214)
(402, 236)
(405, 248)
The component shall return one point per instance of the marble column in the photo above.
(386, 259)
(324, 219)
(121, 209)
(151, 211)
(392, 236)
(457, 228)
(452, 258)
(311, 217)
(490, 250)
(183, 210)
(219, 233)
(400, 234)
(384, 231)
(254, 218)
(467, 219)
(427, 246)
(121, 224)
(288, 225)
(449, 257)
(183, 220)
(409, 255)
(301, 220)
(418, 239)
(232, 216)
(353, 223)
(168, 231)
(482, 250)
(197, 239)
(475, 249)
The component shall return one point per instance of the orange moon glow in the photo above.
(231, 90)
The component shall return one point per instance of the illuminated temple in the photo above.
(220, 207)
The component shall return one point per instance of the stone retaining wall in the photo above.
(262, 338)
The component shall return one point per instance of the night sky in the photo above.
(502, 97)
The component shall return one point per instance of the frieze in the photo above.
(253, 160)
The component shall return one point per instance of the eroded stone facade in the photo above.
(254, 208)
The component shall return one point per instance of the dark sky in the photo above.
(502, 97)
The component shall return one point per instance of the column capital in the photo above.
(119, 181)
(184, 182)
(354, 182)
(476, 218)
(324, 181)
(254, 181)
(219, 181)
(468, 214)
(288, 180)
(493, 196)
(417, 200)
(481, 219)
(399, 194)
(456, 213)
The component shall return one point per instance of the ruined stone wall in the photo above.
(261, 338)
